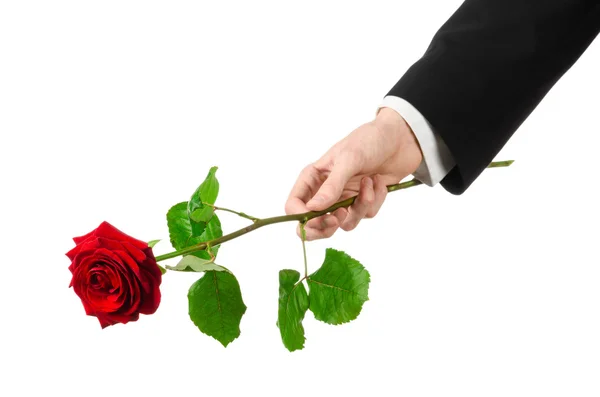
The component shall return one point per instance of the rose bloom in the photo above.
(115, 275)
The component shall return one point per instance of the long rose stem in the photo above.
(304, 217)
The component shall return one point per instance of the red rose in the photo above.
(115, 276)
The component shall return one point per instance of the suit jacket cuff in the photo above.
(437, 159)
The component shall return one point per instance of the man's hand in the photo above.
(376, 154)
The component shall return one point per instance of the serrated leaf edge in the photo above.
(220, 311)
(287, 303)
(366, 299)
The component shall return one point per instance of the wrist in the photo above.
(399, 133)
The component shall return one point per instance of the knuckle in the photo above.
(307, 170)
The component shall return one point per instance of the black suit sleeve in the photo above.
(488, 67)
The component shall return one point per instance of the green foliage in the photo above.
(202, 214)
(182, 235)
(206, 193)
(216, 306)
(293, 304)
(197, 227)
(152, 243)
(338, 289)
(191, 263)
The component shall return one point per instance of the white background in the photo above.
(115, 110)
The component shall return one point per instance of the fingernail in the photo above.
(341, 216)
(316, 200)
(369, 182)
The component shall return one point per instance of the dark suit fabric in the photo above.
(488, 67)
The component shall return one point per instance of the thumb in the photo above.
(332, 188)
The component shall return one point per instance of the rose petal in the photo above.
(131, 281)
(96, 298)
(150, 300)
(105, 320)
(135, 252)
(106, 243)
(73, 252)
(109, 231)
(151, 265)
(128, 261)
(115, 276)
(86, 248)
(81, 239)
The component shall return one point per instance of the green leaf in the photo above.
(216, 306)
(213, 231)
(202, 214)
(293, 304)
(197, 227)
(338, 289)
(207, 192)
(191, 263)
(209, 189)
(152, 243)
(162, 269)
(182, 235)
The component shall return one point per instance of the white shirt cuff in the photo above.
(437, 160)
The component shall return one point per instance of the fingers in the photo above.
(319, 223)
(380, 190)
(345, 168)
(326, 227)
(308, 182)
(302, 191)
(341, 214)
(372, 194)
(358, 210)
(294, 205)
(370, 199)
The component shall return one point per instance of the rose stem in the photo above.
(304, 217)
